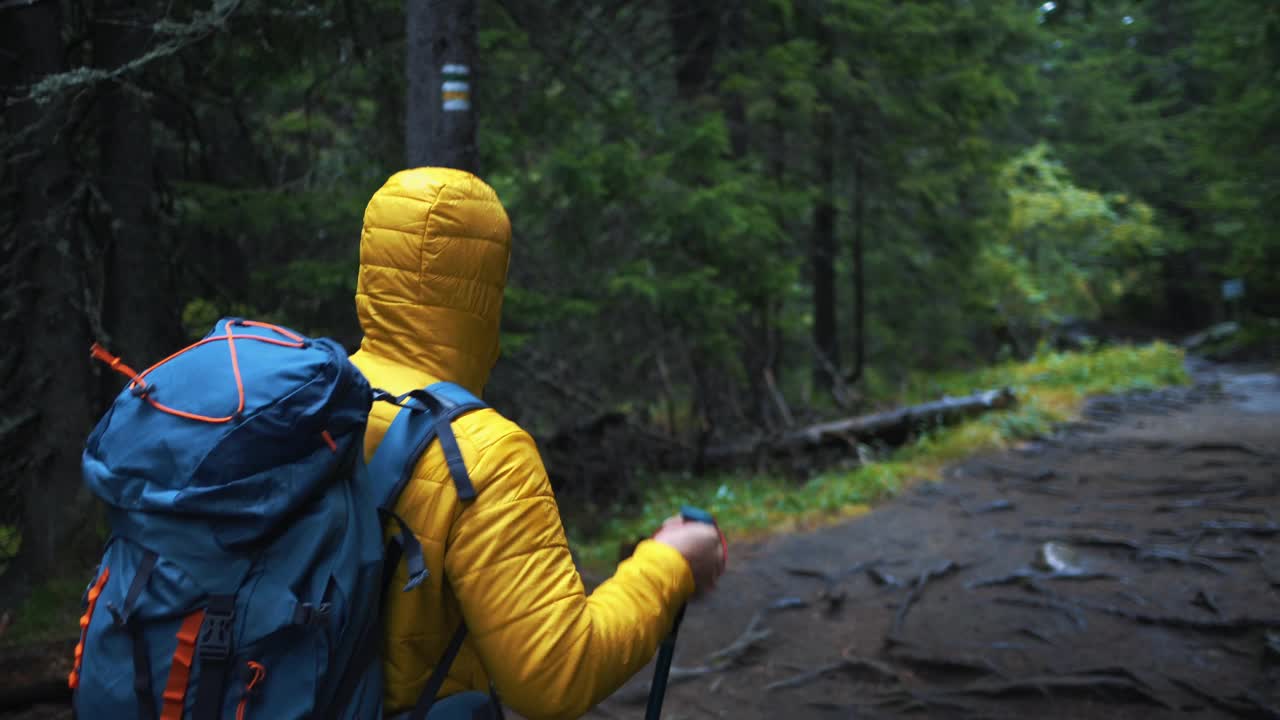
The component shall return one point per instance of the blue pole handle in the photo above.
(658, 689)
(694, 514)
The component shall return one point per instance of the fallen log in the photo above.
(890, 426)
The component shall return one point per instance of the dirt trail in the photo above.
(1159, 513)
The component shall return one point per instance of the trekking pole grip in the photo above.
(662, 669)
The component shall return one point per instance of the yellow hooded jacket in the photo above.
(433, 265)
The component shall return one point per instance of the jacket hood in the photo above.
(434, 253)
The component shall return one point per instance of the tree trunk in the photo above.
(736, 105)
(859, 278)
(441, 67)
(138, 302)
(822, 247)
(758, 352)
(757, 359)
(694, 33)
(53, 374)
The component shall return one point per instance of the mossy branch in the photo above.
(178, 36)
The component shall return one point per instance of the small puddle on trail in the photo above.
(1251, 388)
(1254, 392)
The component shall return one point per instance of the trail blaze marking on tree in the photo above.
(1233, 289)
(455, 91)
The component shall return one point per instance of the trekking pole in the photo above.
(658, 689)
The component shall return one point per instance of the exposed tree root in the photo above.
(1237, 624)
(876, 669)
(1177, 556)
(1246, 705)
(1036, 634)
(943, 569)
(906, 700)
(1098, 540)
(1219, 504)
(882, 578)
(1240, 447)
(1106, 682)
(755, 633)
(1207, 601)
(1076, 617)
(831, 592)
(1025, 575)
(919, 657)
(1236, 486)
(718, 661)
(1269, 529)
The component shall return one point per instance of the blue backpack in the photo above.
(246, 565)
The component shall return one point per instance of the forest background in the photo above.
(729, 218)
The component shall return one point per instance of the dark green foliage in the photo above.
(1176, 103)
(1009, 167)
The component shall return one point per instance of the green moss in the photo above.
(10, 542)
(51, 612)
(1118, 368)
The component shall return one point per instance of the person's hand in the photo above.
(700, 545)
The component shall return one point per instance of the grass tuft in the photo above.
(50, 612)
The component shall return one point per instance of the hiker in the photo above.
(433, 264)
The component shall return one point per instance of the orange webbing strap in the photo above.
(138, 381)
(259, 674)
(273, 328)
(97, 352)
(175, 689)
(73, 680)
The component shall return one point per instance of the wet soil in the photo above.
(1127, 567)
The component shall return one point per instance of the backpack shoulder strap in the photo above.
(451, 402)
(454, 398)
(438, 675)
(425, 415)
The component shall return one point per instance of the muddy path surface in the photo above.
(1127, 567)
